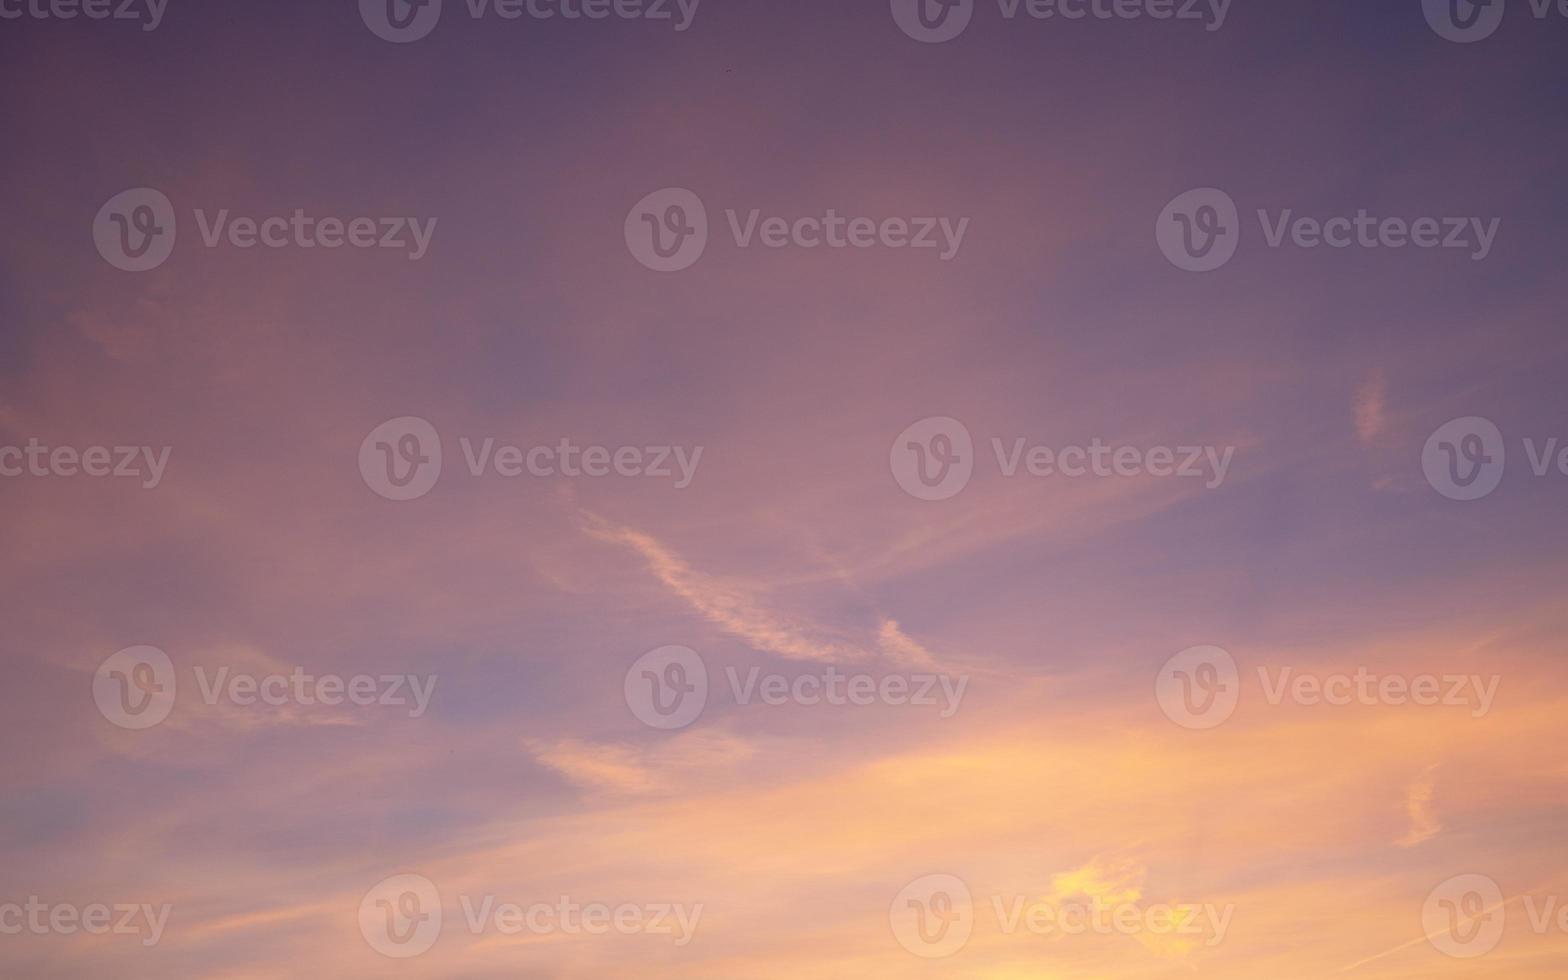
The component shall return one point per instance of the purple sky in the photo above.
(1323, 376)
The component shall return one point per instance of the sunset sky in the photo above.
(1312, 538)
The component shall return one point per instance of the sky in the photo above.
(761, 490)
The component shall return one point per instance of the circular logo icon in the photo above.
(1199, 230)
(1199, 687)
(1464, 459)
(135, 687)
(667, 688)
(933, 459)
(135, 229)
(401, 916)
(933, 21)
(933, 916)
(667, 231)
(1464, 916)
(1464, 21)
(401, 458)
(400, 21)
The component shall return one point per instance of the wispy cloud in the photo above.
(1371, 408)
(1418, 804)
(631, 769)
(727, 605)
(745, 613)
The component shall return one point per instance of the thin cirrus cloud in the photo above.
(738, 611)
